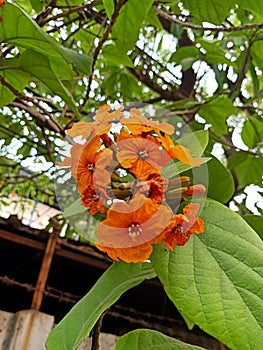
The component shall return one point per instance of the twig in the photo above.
(212, 29)
(225, 142)
(95, 345)
(66, 13)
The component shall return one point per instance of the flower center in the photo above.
(91, 167)
(95, 197)
(178, 229)
(143, 154)
(134, 230)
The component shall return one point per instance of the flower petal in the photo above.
(81, 128)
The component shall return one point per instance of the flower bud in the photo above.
(121, 194)
(182, 181)
(176, 193)
(195, 190)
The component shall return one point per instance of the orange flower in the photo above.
(131, 228)
(88, 164)
(103, 115)
(142, 156)
(139, 124)
(177, 151)
(94, 199)
(154, 187)
(182, 226)
(81, 128)
(72, 161)
(100, 125)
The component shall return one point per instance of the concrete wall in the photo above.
(28, 330)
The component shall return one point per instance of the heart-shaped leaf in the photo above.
(216, 279)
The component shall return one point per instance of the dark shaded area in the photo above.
(74, 270)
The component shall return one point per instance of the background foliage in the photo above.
(201, 60)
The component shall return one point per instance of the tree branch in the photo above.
(41, 120)
(49, 122)
(170, 95)
(107, 32)
(216, 29)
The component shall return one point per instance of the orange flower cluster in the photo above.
(118, 169)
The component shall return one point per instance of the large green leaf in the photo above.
(252, 132)
(216, 112)
(216, 279)
(146, 339)
(220, 181)
(27, 34)
(247, 167)
(195, 141)
(17, 79)
(174, 168)
(256, 222)
(39, 66)
(77, 324)
(130, 20)
(214, 11)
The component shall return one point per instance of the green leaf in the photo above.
(27, 34)
(80, 62)
(217, 111)
(184, 54)
(220, 181)
(17, 79)
(213, 11)
(195, 141)
(130, 20)
(39, 66)
(257, 52)
(247, 167)
(77, 324)
(109, 7)
(152, 19)
(252, 132)
(256, 222)
(174, 168)
(214, 53)
(74, 209)
(252, 5)
(4, 161)
(254, 78)
(37, 5)
(115, 55)
(146, 339)
(216, 278)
